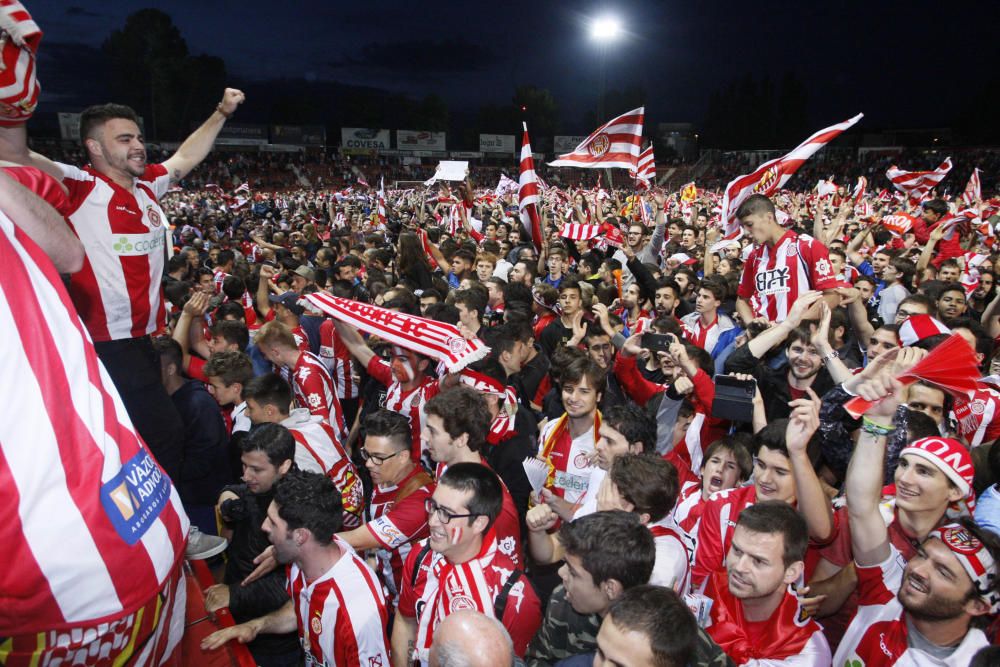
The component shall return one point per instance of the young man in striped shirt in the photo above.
(336, 602)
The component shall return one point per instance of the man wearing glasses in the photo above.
(461, 568)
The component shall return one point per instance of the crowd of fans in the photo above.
(663, 446)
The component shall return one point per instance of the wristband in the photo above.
(874, 428)
(218, 107)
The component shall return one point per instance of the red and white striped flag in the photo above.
(917, 184)
(577, 232)
(859, 189)
(770, 176)
(381, 201)
(362, 181)
(617, 143)
(527, 193)
(645, 171)
(973, 190)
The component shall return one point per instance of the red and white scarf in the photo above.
(453, 587)
(502, 426)
(437, 340)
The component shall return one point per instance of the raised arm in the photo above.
(813, 503)
(355, 344)
(264, 289)
(42, 223)
(774, 336)
(821, 341)
(194, 149)
(928, 252)
(196, 306)
(855, 245)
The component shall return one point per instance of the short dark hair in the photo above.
(634, 423)
(568, 284)
(462, 410)
(310, 500)
(475, 298)
(754, 204)
(230, 367)
(611, 545)
(776, 516)
(771, 436)
(649, 483)
(231, 309)
(233, 332)
(99, 114)
(663, 617)
(269, 389)
(233, 286)
(938, 206)
(717, 287)
(487, 493)
(274, 440)
(800, 334)
(170, 351)
(392, 425)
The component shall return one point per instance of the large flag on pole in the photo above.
(917, 184)
(770, 176)
(381, 202)
(617, 143)
(527, 193)
(645, 171)
(973, 190)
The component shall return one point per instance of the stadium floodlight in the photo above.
(605, 29)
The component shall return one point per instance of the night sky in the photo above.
(904, 64)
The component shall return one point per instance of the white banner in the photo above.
(364, 137)
(411, 139)
(566, 144)
(496, 143)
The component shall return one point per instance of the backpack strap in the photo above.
(500, 604)
(421, 555)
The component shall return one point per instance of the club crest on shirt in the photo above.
(460, 603)
(316, 625)
(154, 216)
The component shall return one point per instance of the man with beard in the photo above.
(115, 211)
(919, 611)
(754, 616)
(803, 370)
(336, 604)
(267, 454)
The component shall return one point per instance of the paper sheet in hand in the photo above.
(449, 170)
(536, 470)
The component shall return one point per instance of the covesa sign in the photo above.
(364, 137)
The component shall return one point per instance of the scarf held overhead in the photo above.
(437, 340)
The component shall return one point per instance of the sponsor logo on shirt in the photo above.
(134, 498)
(773, 281)
(570, 482)
(135, 245)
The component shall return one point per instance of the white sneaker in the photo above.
(201, 546)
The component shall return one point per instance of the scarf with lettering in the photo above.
(560, 438)
(452, 587)
(437, 340)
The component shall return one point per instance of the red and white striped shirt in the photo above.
(76, 478)
(878, 635)
(317, 449)
(337, 358)
(396, 526)
(125, 234)
(410, 404)
(673, 561)
(341, 615)
(715, 532)
(313, 389)
(774, 277)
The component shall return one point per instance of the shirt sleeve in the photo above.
(410, 592)
(405, 521)
(747, 286)
(821, 273)
(380, 370)
(522, 616)
(42, 185)
(159, 180)
(877, 583)
(708, 553)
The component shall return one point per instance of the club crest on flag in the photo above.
(960, 540)
(767, 179)
(600, 145)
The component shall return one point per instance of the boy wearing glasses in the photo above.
(460, 567)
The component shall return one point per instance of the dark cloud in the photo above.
(75, 10)
(418, 58)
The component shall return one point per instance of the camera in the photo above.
(234, 509)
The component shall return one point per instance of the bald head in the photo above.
(470, 639)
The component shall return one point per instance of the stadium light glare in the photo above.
(605, 28)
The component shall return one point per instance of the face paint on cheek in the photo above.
(456, 535)
(403, 370)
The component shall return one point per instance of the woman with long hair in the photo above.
(411, 261)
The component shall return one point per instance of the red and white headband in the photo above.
(975, 559)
